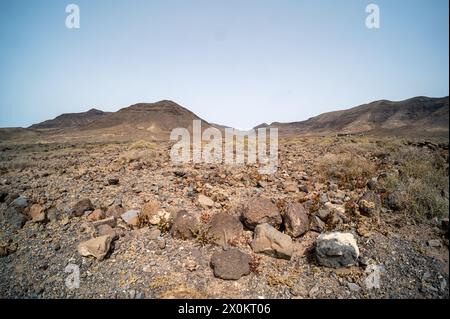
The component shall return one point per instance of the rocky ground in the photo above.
(323, 226)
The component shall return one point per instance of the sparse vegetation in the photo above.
(201, 234)
(142, 151)
(346, 167)
(275, 279)
(142, 145)
(164, 225)
(421, 188)
(146, 156)
(255, 263)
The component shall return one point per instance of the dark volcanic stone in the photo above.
(224, 227)
(230, 264)
(258, 211)
(184, 225)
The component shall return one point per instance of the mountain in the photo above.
(138, 121)
(70, 120)
(416, 115)
(162, 116)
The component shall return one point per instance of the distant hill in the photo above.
(419, 116)
(162, 116)
(138, 121)
(70, 120)
(416, 115)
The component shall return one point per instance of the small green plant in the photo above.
(164, 225)
(201, 234)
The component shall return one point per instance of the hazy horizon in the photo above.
(233, 63)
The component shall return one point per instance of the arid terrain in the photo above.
(99, 194)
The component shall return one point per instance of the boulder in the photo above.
(20, 202)
(230, 264)
(115, 211)
(15, 213)
(224, 227)
(184, 225)
(317, 224)
(14, 217)
(131, 217)
(37, 213)
(82, 206)
(296, 220)
(205, 201)
(97, 247)
(97, 214)
(269, 241)
(258, 211)
(369, 204)
(105, 229)
(337, 250)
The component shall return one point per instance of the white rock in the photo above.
(337, 250)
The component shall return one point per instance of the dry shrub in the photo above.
(421, 189)
(274, 279)
(145, 156)
(201, 234)
(346, 167)
(142, 151)
(164, 225)
(255, 263)
(142, 145)
(205, 217)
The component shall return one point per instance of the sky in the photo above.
(237, 63)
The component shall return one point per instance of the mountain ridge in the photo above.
(422, 112)
(417, 115)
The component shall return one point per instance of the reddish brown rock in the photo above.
(37, 213)
(82, 206)
(97, 214)
(230, 264)
(97, 247)
(184, 225)
(115, 211)
(260, 210)
(224, 227)
(296, 220)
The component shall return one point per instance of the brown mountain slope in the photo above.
(162, 116)
(70, 120)
(416, 116)
(138, 121)
(419, 114)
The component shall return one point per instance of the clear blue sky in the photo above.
(238, 63)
